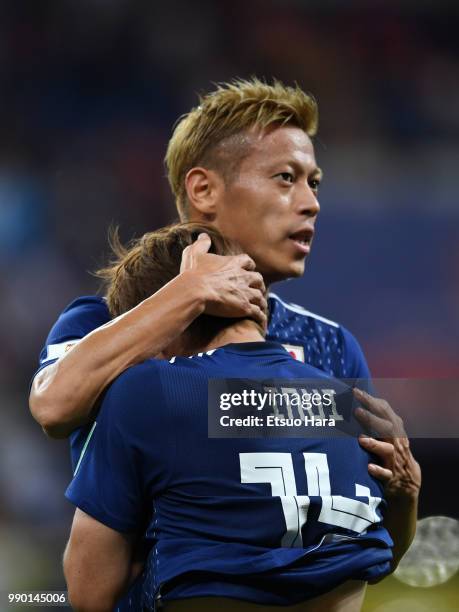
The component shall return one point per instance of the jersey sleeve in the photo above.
(77, 320)
(129, 453)
(357, 366)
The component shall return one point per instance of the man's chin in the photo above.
(297, 270)
(292, 270)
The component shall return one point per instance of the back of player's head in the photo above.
(150, 262)
(210, 134)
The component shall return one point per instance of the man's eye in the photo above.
(286, 176)
(314, 184)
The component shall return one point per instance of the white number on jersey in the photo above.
(276, 469)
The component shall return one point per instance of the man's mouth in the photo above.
(303, 239)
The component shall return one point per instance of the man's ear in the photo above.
(204, 189)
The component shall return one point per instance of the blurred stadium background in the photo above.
(89, 91)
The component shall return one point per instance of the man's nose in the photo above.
(308, 203)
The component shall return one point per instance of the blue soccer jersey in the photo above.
(308, 337)
(273, 521)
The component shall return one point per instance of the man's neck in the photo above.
(242, 331)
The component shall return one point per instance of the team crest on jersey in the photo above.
(297, 352)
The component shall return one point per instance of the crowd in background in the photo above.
(89, 92)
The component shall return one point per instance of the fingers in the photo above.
(374, 404)
(201, 245)
(245, 262)
(257, 307)
(189, 253)
(382, 428)
(255, 280)
(382, 474)
(258, 315)
(379, 416)
(258, 298)
(383, 450)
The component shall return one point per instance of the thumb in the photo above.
(202, 244)
(199, 247)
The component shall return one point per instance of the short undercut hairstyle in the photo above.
(212, 134)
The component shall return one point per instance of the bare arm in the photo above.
(64, 393)
(399, 471)
(97, 564)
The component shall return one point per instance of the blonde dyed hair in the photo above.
(231, 110)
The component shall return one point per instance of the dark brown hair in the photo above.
(150, 262)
